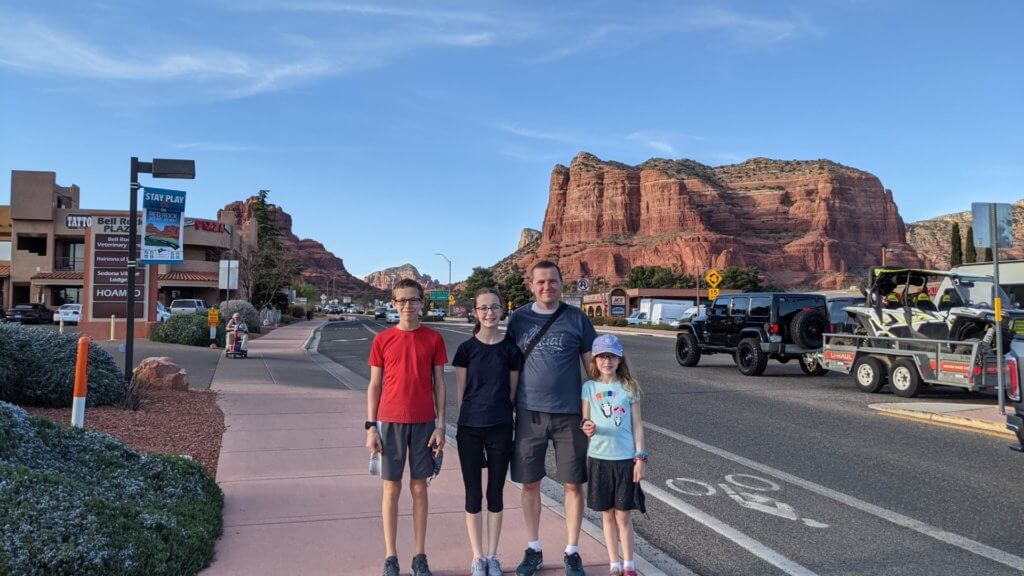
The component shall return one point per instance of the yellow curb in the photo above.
(993, 429)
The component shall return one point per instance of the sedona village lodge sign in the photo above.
(108, 289)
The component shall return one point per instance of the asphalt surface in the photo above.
(790, 474)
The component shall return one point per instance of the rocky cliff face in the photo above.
(802, 223)
(322, 268)
(931, 237)
(529, 241)
(387, 278)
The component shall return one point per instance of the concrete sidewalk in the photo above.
(980, 418)
(298, 499)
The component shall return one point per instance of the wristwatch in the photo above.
(370, 424)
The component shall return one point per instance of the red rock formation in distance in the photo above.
(808, 224)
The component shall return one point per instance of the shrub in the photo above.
(187, 329)
(37, 367)
(296, 311)
(243, 307)
(75, 501)
(608, 321)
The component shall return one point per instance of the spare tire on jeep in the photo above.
(808, 328)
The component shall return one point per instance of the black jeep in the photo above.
(754, 327)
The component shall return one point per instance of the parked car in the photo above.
(69, 313)
(30, 314)
(637, 318)
(380, 312)
(756, 327)
(187, 306)
(436, 313)
(392, 317)
(162, 313)
(691, 313)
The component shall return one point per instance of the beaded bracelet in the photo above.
(640, 455)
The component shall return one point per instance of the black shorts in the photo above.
(401, 441)
(533, 432)
(611, 485)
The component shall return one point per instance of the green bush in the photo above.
(243, 307)
(187, 329)
(37, 367)
(609, 321)
(296, 311)
(75, 501)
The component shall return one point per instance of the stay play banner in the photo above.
(163, 226)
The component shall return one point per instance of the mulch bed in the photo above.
(169, 422)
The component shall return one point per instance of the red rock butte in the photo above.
(806, 224)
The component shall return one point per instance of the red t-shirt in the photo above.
(408, 358)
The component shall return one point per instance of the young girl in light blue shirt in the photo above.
(616, 456)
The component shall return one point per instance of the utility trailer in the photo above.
(908, 364)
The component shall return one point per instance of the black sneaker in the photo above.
(574, 565)
(532, 562)
(419, 566)
(391, 566)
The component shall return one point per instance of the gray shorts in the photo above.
(397, 441)
(533, 431)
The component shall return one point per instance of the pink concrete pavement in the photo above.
(298, 499)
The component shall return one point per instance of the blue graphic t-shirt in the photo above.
(550, 380)
(611, 410)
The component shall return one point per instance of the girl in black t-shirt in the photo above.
(487, 370)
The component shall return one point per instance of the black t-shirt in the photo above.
(486, 399)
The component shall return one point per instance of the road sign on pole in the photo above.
(583, 284)
(993, 228)
(712, 293)
(451, 299)
(438, 295)
(713, 278)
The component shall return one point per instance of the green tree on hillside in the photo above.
(658, 277)
(514, 289)
(264, 270)
(971, 253)
(479, 278)
(956, 251)
(745, 279)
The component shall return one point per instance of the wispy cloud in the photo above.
(661, 141)
(535, 134)
(370, 10)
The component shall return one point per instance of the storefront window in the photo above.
(66, 295)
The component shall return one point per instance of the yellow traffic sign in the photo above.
(451, 299)
(713, 278)
(213, 317)
(999, 310)
(509, 305)
(712, 293)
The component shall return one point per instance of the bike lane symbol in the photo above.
(746, 490)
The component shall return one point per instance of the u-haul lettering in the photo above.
(960, 368)
(839, 356)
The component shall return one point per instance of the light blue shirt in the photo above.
(611, 410)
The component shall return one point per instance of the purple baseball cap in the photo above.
(606, 344)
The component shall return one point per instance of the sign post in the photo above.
(213, 319)
(993, 228)
(583, 284)
(713, 278)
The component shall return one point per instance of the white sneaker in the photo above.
(493, 566)
(479, 567)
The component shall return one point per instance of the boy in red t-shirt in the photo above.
(405, 415)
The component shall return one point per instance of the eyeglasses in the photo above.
(493, 308)
(408, 301)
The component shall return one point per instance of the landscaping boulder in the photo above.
(161, 373)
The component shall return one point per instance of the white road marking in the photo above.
(749, 500)
(367, 326)
(746, 542)
(350, 340)
(961, 542)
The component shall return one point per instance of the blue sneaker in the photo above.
(574, 565)
(391, 566)
(533, 561)
(420, 567)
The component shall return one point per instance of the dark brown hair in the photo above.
(476, 315)
(546, 264)
(407, 283)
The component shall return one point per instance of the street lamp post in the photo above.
(449, 281)
(158, 168)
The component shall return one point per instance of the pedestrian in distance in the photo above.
(616, 456)
(487, 372)
(405, 417)
(554, 337)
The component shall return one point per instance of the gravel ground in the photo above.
(169, 422)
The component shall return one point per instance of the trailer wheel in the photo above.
(750, 359)
(904, 379)
(868, 374)
(810, 365)
(687, 350)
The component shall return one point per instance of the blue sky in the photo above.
(394, 130)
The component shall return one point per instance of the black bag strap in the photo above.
(543, 330)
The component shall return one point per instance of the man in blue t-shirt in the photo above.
(548, 409)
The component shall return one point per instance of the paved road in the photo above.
(788, 474)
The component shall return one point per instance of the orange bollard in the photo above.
(81, 383)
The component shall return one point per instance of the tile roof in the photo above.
(5, 270)
(189, 277)
(63, 275)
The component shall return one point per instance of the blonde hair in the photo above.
(628, 382)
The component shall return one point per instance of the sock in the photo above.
(629, 564)
(615, 566)
(534, 545)
(569, 550)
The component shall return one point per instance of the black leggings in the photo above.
(473, 442)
